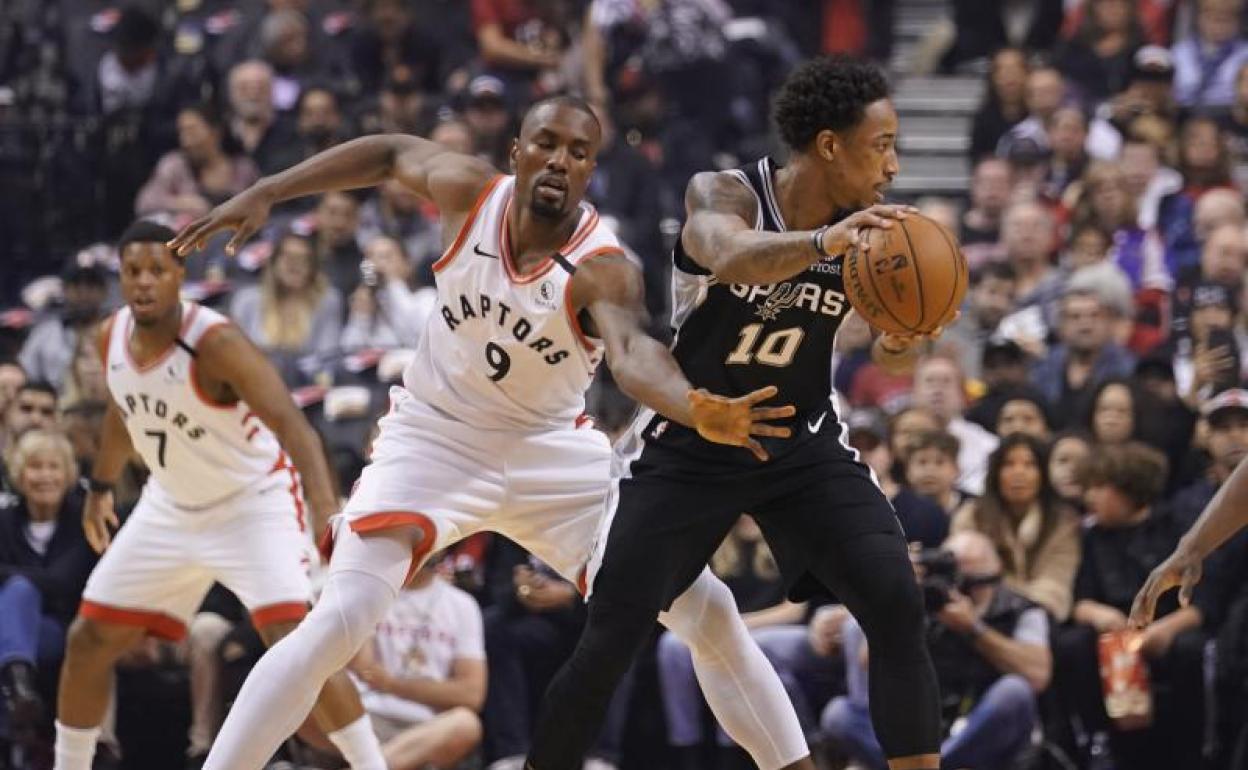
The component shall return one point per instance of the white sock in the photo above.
(359, 745)
(75, 747)
(742, 689)
(283, 686)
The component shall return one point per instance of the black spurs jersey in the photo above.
(733, 339)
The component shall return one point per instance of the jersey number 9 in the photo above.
(498, 360)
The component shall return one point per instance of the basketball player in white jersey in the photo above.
(486, 433)
(226, 447)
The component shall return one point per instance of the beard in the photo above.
(548, 211)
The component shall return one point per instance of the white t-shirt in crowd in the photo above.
(39, 534)
(425, 632)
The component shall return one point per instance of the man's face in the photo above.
(1089, 246)
(1028, 233)
(1228, 437)
(1217, 21)
(151, 279)
(29, 410)
(11, 378)
(1201, 145)
(1084, 325)
(1045, 89)
(1067, 133)
(1210, 318)
(1224, 257)
(938, 388)
(864, 157)
(1139, 165)
(931, 472)
(84, 302)
(251, 92)
(337, 217)
(906, 430)
(554, 157)
(990, 190)
(1021, 416)
(991, 300)
(318, 115)
(390, 19)
(1108, 505)
(488, 119)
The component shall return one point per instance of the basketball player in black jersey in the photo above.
(759, 296)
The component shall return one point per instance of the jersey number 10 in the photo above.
(777, 349)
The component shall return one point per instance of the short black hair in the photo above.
(1001, 271)
(144, 231)
(136, 29)
(826, 93)
(564, 100)
(37, 386)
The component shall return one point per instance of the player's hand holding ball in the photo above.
(736, 421)
(97, 518)
(905, 274)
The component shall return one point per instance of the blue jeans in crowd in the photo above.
(994, 732)
(809, 680)
(26, 634)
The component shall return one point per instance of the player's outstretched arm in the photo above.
(449, 179)
(234, 360)
(611, 289)
(1226, 514)
(719, 233)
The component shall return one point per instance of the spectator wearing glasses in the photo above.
(32, 406)
(48, 350)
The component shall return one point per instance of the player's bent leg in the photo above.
(576, 702)
(874, 574)
(338, 711)
(285, 684)
(740, 685)
(91, 649)
(442, 742)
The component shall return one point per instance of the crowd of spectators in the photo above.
(1042, 457)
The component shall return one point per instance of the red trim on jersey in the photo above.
(252, 433)
(247, 416)
(280, 463)
(284, 612)
(449, 255)
(156, 623)
(573, 315)
(383, 520)
(295, 490)
(583, 420)
(200, 394)
(582, 581)
(187, 318)
(589, 221)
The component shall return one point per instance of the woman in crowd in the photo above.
(1204, 161)
(1035, 534)
(85, 380)
(198, 175)
(1098, 58)
(1004, 104)
(293, 312)
(1113, 412)
(1069, 450)
(44, 564)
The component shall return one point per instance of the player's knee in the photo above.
(614, 633)
(893, 617)
(90, 640)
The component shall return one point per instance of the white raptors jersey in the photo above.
(505, 350)
(199, 452)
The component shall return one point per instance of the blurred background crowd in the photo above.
(1045, 454)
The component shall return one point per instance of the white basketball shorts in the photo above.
(164, 559)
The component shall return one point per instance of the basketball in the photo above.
(911, 280)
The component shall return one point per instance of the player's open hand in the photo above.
(851, 231)
(1182, 570)
(736, 421)
(245, 213)
(99, 520)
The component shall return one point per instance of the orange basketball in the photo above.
(911, 280)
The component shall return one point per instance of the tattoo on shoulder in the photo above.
(722, 193)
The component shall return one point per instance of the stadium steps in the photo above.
(935, 110)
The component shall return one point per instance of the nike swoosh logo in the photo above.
(476, 249)
(815, 425)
